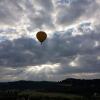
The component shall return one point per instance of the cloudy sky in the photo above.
(72, 49)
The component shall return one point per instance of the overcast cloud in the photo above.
(72, 48)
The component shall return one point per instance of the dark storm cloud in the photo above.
(85, 64)
(59, 49)
(64, 49)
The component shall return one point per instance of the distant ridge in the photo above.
(71, 85)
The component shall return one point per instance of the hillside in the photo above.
(68, 85)
(69, 89)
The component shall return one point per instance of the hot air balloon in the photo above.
(41, 36)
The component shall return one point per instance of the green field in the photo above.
(32, 95)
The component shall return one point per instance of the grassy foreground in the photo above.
(32, 95)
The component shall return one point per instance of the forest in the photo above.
(68, 89)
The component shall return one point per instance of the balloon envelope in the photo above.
(41, 36)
